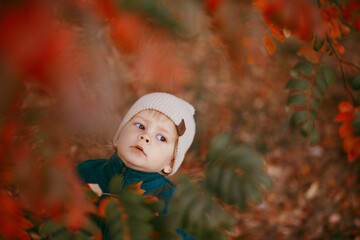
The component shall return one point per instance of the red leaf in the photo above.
(298, 16)
(269, 44)
(349, 9)
(345, 107)
(12, 221)
(346, 116)
(34, 43)
(160, 64)
(346, 130)
(213, 5)
(357, 22)
(126, 31)
(354, 153)
(8, 134)
(348, 144)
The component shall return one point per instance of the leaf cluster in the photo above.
(234, 176)
(130, 216)
(308, 85)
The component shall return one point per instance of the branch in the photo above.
(350, 64)
(347, 88)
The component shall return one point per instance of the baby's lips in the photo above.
(140, 148)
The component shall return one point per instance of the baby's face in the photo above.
(147, 142)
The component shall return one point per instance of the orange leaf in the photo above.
(150, 198)
(345, 29)
(269, 44)
(345, 107)
(340, 48)
(309, 54)
(348, 144)
(138, 189)
(278, 33)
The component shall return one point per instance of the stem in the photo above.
(340, 61)
(350, 64)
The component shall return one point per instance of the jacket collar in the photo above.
(135, 174)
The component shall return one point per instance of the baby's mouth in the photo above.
(139, 148)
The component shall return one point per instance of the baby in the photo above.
(150, 144)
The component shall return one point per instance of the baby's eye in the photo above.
(139, 125)
(161, 138)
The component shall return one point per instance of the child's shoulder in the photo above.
(87, 168)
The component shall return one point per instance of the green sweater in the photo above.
(101, 171)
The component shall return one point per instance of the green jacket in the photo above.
(100, 171)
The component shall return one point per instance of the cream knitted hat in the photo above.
(178, 110)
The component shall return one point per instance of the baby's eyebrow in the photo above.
(164, 130)
(135, 117)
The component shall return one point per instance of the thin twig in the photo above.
(339, 60)
(350, 64)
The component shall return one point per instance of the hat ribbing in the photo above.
(173, 107)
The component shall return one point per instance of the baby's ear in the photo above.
(167, 169)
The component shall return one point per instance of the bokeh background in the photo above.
(71, 69)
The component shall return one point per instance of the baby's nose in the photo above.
(145, 137)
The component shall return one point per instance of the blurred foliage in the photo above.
(69, 67)
(307, 96)
(234, 176)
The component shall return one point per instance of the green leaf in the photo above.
(116, 184)
(237, 192)
(218, 147)
(356, 124)
(213, 173)
(356, 83)
(298, 84)
(298, 117)
(315, 104)
(303, 67)
(312, 115)
(328, 74)
(50, 227)
(112, 212)
(320, 81)
(155, 9)
(318, 44)
(81, 236)
(306, 128)
(114, 220)
(314, 138)
(297, 99)
(197, 212)
(251, 191)
(244, 158)
(317, 93)
(225, 182)
(262, 178)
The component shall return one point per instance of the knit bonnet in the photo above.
(178, 110)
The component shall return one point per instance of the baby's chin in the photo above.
(135, 163)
